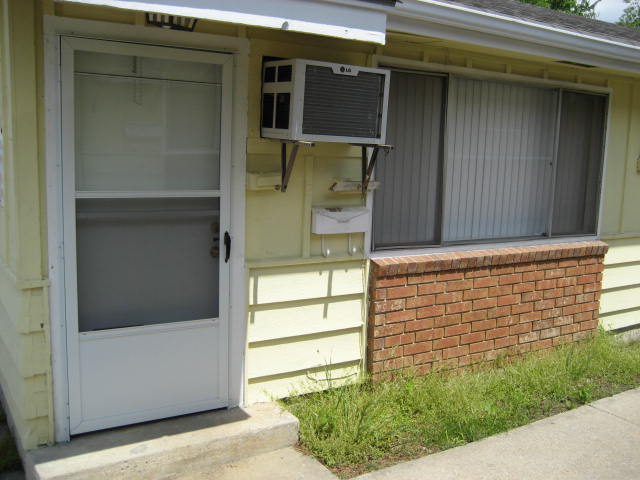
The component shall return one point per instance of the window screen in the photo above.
(511, 161)
(579, 163)
(499, 160)
(407, 208)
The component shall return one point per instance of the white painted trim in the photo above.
(461, 23)
(55, 254)
(238, 294)
(73, 27)
(68, 237)
(297, 16)
(54, 27)
(148, 194)
(164, 412)
(143, 329)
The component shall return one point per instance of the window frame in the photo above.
(436, 69)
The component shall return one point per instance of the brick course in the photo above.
(456, 309)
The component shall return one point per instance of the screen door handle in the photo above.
(227, 246)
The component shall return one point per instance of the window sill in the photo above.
(470, 256)
(471, 247)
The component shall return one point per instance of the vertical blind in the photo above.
(579, 159)
(407, 208)
(500, 144)
(510, 161)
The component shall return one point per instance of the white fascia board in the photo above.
(464, 24)
(305, 16)
(512, 44)
(564, 44)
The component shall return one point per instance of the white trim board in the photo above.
(54, 27)
(462, 23)
(317, 18)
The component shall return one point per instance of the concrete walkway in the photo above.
(596, 441)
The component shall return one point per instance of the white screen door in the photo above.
(146, 210)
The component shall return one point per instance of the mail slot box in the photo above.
(333, 220)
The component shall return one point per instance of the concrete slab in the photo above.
(162, 449)
(625, 405)
(585, 443)
(284, 464)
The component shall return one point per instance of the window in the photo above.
(483, 160)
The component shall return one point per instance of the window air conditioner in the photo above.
(305, 100)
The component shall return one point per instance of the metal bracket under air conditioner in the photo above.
(287, 167)
(369, 164)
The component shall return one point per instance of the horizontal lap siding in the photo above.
(305, 327)
(24, 360)
(25, 356)
(620, 304)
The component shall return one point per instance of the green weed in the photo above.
(366, 425)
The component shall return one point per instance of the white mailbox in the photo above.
(334, 220)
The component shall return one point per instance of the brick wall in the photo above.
(456, 309)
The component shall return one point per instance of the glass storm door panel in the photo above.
(150, 209)
(138, 134)
(154, 258)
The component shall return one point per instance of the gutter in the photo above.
(464, 24)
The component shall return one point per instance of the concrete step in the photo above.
(167, 448)
(284, 464)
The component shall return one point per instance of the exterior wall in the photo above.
(319, 319)
(452, 310)
(306, 312)
(24, 317)
(621, 219)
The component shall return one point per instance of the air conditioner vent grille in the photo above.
(342, 105)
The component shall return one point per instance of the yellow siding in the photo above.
(310, 351)
(278, 386)
(620, 304)
(294, 319)
(309, 310)
(286, 284)
(24, 316)
(303, 319)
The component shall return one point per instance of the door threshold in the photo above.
(164, 448)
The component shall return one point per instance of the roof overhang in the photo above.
(319, 18)
(369, 20)
(461, 23)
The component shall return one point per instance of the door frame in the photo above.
(54, 29)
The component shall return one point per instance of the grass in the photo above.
(366, 426)
(9, 458)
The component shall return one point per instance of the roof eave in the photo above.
(463, 24)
